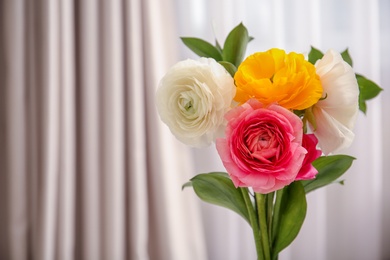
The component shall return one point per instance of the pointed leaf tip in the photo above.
(202, 48)
(187, 184)
(346, 57)
(218, 189)
(330, 168)
(367, 90)
(235, 45)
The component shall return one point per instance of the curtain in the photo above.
(343, 222)
(87, 171)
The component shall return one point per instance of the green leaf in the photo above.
(218, 189)
(235, 45)
(218, 46)
(315, 55)
(346, 57)
(341, 182)
(185, 185)
(368, 90)
(229, 67)
(202, 48)
(329, 169)
(292, 214)
(362, 105)
(309, 116)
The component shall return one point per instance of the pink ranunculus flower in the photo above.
(308, 172)
(263, 146)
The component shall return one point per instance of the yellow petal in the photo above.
(276, 77)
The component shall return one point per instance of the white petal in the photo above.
(336, 114)
(331, 134)
(192, 99)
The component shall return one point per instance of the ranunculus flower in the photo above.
(276, 77)
(336, 114)
(308, 172)
(263, 146)
(192, 99)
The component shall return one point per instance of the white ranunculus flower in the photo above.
(336, 114)
(192, 99)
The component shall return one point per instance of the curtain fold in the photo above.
(137, 230)
(87, 169)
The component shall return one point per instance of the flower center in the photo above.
(186, 103)
(263, 147)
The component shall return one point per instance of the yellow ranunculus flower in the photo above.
(276, 77)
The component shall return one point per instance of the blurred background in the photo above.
(87, 169)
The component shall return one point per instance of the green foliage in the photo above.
(290, 216)
(279, 221)
(218, 189)
(229, 67)
(233, 51)
(329, 169)
(315, 55)
(346, 57)
(235, 45)
(202, 48)
(309, 117)
(218, 46)
(367, 90)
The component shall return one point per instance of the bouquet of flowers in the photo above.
(275, 118)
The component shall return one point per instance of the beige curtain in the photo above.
(87, 171)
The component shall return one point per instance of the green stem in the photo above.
(261, 210)
(275, 220)
(253, 221)
(270, 207)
